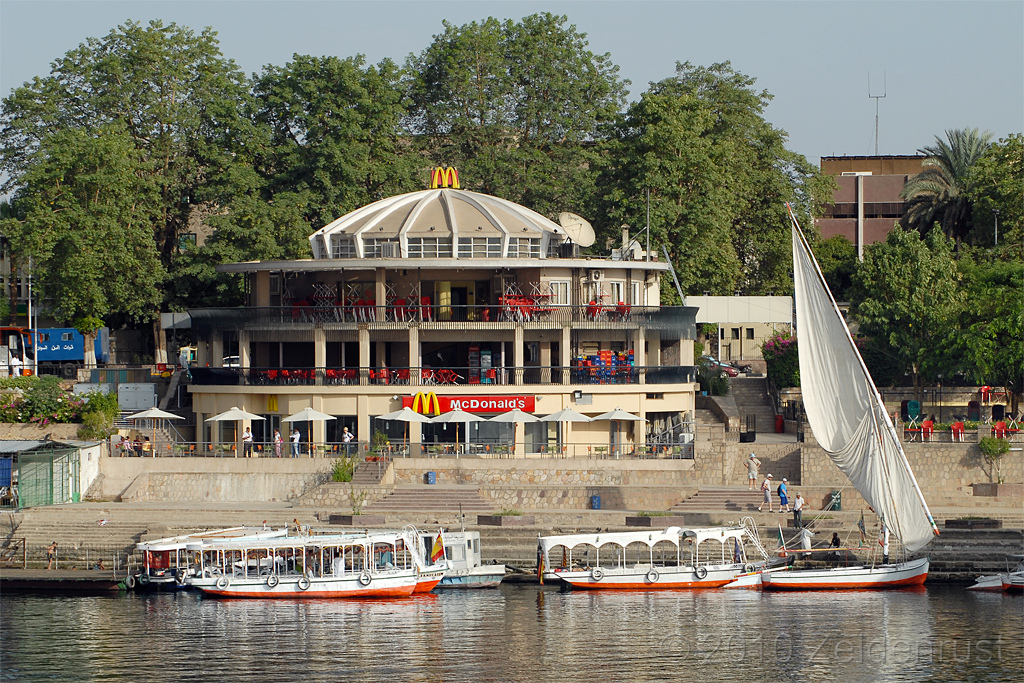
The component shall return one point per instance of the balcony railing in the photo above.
(576, 374)
(518, 310)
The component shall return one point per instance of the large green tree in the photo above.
(178, 107)
(905, 296)
(518, 107)
(940, 193)
(996, 183)
(719, 176)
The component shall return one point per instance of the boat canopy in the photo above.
(209, 537)
(673, 535)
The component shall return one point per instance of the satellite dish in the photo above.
(636, 251)
(577, 228)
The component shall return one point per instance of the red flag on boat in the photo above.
(437, 552)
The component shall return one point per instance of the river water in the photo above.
(519, 633)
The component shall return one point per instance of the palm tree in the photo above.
(937, 194)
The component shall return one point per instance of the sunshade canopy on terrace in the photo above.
(619, 414)
(565, 415)
(515, 415)
(308, 415)
(154, 414)
(233, 415)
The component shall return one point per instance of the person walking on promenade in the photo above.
(277, 443)
(51, 555)
(296, 436)
(798, 511)
(346, 438)
(783, 497)
(766, 489)
(752, 464)
(247, 443)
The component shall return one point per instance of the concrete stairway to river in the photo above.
(751, 397)
(440, 499)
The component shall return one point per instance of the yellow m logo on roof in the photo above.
(424, 401)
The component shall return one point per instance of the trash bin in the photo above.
(837, 501)
(780, 424)
(595, 502)
(431, 477)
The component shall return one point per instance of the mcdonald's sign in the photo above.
(444, 177)
(424, 401)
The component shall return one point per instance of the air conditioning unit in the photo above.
(389, 250)
(595, 275)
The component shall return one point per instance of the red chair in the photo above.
(927, 427)
(425, 308)
(999, 430)
(958, 431)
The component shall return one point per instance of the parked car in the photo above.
(231, 362)
(718, 365)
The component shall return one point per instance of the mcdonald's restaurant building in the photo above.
(448, 299)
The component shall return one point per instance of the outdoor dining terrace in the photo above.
(578, 373)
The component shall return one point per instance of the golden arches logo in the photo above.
(424, 401)
(444, 177)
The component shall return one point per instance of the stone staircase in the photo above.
(369, 473)
(751, 396)
(731, 499)
(438, 499)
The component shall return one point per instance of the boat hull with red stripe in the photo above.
(903, 575)
(395, 584)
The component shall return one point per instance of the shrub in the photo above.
(994, 449)
(342, 469)
(781, 357)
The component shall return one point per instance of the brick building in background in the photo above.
(867, 202)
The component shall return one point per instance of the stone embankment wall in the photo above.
(33, 432)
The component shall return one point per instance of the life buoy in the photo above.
(272, 580)
(304, 584)
(652, 576)
(748, 568)
(223, 582)
(365, 578)
(143, 579)
(597, 573)
(130, 582)
(701, 572)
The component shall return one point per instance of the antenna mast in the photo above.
(876, 98)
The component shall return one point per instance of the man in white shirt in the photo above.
(247, 443)
(798, 507)
(295, 442)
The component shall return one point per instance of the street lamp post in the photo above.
(995, 212)
(940, 397)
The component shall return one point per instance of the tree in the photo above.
(940, 194)
(996, 183)
(904, 296)
(177, 106)
(837, 258)
(514, 106)
(719, 176)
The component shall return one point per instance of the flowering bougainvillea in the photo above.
(780, 354)
(42, 400)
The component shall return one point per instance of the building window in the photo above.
(479, 247)
(735, 333)
(186, 241)
(559, 293)
(44, 336)
(634, 295)
(523, 247)
(430, 247)
(343, 246)
(554, 248)
(615, 291)
(381, 248)
(67, 336)
(750, 333)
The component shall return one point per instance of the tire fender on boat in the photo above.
(597, 573)
(130, 582)
(701, 572)
(143, 579)
(652, 576)
(748, 568)
(223, 582)
(365, 578)
(304, 583)
(272, 580)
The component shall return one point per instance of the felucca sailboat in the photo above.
(851, 424)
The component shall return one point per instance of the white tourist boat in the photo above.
(672, 558)
(166, 562)
(1004, 580)
(465, 568)
(852, 425)
(376, 565)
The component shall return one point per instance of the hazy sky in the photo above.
(945, 64)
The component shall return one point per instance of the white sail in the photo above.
(845, 411)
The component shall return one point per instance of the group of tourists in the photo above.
(782, 490)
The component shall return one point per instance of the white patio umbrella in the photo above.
(308, 415)
(619, 415)
(515, 416)
(235, 415)
(457, 417)
(564, 415)
(153, 414)
(405, 415)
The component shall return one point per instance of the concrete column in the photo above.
(380, 293)
(319, 354)
(518, 356)
(640, 353)
(363, 425)
(200, 433)
(545, 362)
(319, 426)
(364, 354)
(217, 352)
(244, 359)
(565, 350)
(414, 356)
(261, 285)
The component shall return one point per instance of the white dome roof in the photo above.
(439, 213)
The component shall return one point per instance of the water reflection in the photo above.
(520, 633)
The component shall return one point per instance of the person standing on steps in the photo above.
(51, 555)
(798, 511)
(783, 497)
(752, 464)
(766, 489)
